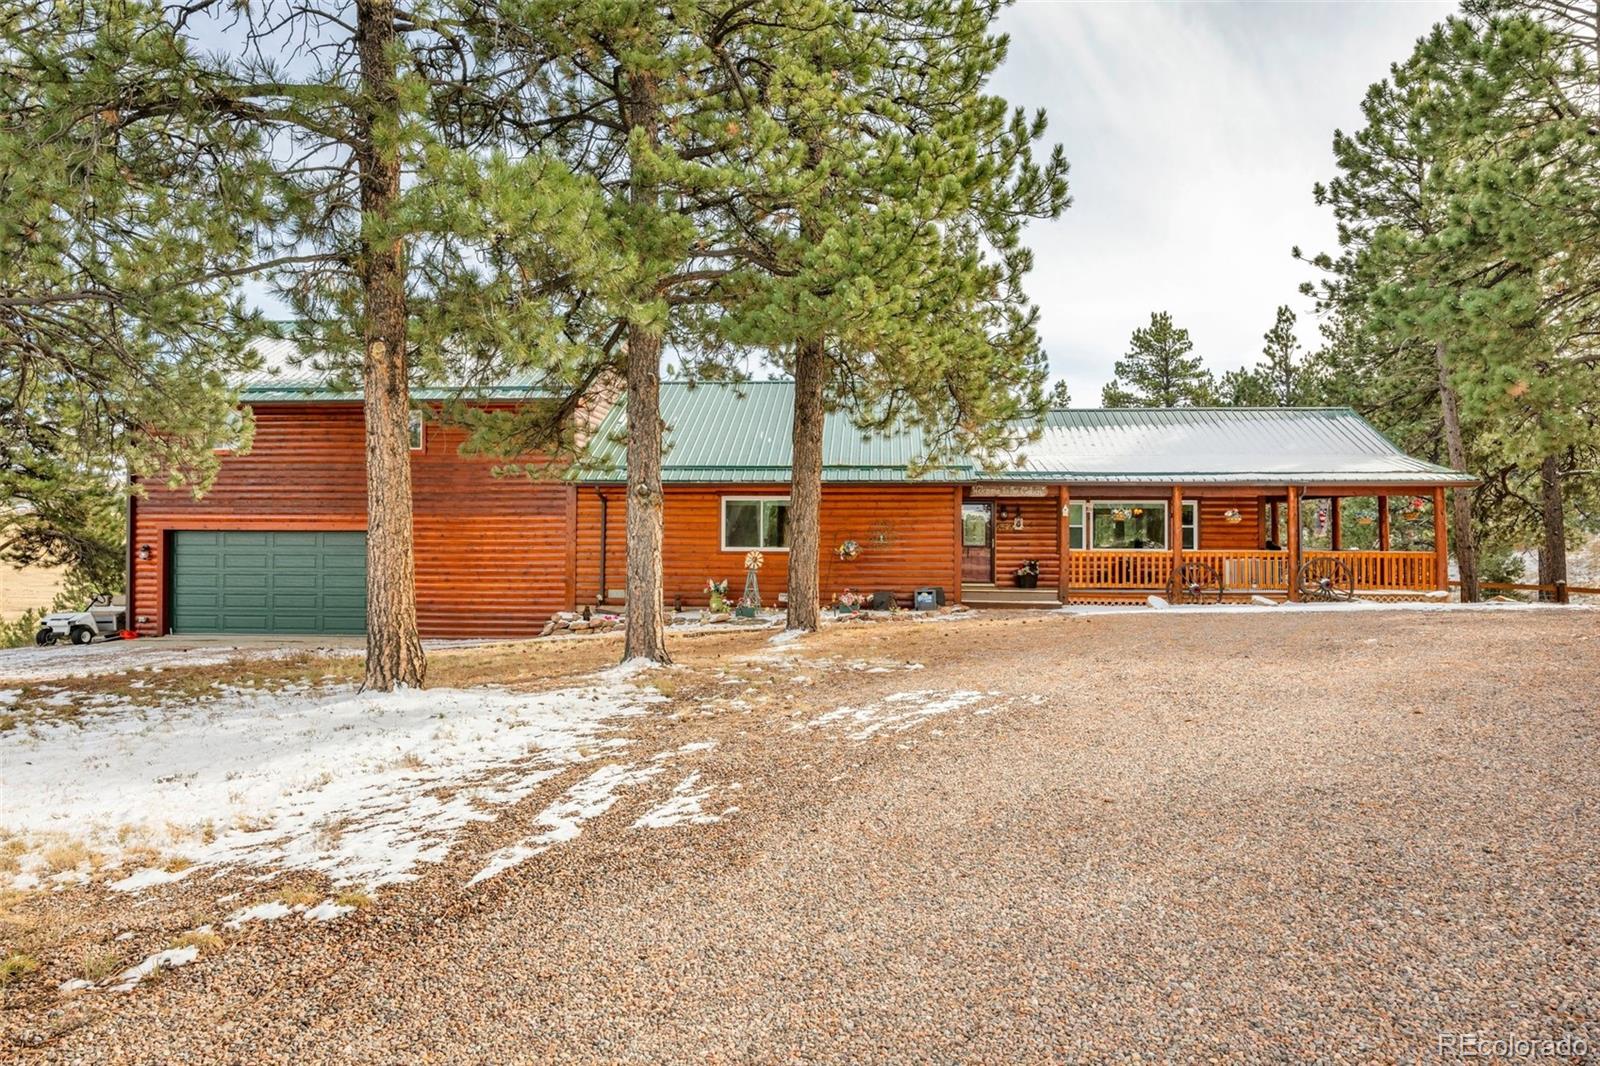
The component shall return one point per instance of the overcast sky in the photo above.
(1195, 132)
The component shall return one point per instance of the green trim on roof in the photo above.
(740, 433)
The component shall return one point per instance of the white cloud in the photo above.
(1195, 134)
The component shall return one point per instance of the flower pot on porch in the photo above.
(745, 612)
(1027, 581)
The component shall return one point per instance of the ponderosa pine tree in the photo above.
(1158, 370)
(392, 206)
(1394, 279)
(1285, 376)
(1523, 98)
(125, 215)
(890, 278)
(655, 103)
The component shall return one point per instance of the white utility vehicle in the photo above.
(104, 617)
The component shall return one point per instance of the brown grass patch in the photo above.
(15, 968)
(204, 939)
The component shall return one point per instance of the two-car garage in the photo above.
(233, 581)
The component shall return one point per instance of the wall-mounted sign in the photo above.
(1006, 488)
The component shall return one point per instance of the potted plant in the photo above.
(716, 595)
(1027, 575)
(849, 601)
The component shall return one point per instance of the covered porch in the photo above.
(1044, 545)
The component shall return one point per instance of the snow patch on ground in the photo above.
(1286, 607)
(261, 912)
(170, 959)
(115, 657)
(564, 819)
(327, 911)
(363, 787)
(894, 713)
(684, 807)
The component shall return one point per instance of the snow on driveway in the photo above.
(344, 783)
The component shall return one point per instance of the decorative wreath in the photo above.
(848, 550)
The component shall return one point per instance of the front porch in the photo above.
(1045, 545)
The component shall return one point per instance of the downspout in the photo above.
(129, 619)
(600, 596)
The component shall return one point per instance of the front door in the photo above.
(977, 543)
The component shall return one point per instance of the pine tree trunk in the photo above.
(805, 487)
(1553, 552)
(1466, 544)
(646, 636)
(394, 648)
(646, 633)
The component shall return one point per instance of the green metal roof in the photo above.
(742, 433)
(289, 375)
(1202, 445)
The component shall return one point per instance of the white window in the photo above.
(415, 426)
(755, 522)
(1075, 526)
(1139, 525)
(1191, 525)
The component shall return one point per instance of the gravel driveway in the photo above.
(1277, 837)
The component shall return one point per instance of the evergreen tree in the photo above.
(407, 241)
(664, 107)
(1285, 376)
(1158, 370)
(875, 284)
(125, 225)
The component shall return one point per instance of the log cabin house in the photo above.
(1107, 506)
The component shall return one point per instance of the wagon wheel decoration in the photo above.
(1194, 582)
(1326, 579)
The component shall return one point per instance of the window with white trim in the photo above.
(1140, 525)
(415, 428)
(1075, 526)
(755, 522)
(1191, 525)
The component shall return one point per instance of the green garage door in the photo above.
(228, 582)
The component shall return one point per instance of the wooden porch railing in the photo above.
(1387, 570)
(1246, 571)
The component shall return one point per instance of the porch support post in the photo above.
(1292, 519)
(1176, 521)
(1441, 540)
(1383, 523)
(955, 588)
(1336, 520)
(1064, 540)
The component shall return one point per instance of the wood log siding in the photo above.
(922, 541)
(1035, 540)
(491, 552)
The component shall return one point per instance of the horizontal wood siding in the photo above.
(907, 537)
(491, 552)
(1035, 540)
(1216, 532)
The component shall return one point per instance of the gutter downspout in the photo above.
(600, 596)
(129, 619)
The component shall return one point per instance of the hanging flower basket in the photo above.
(1232, 516)
(1120, 515)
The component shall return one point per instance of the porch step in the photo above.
(1005, 596)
